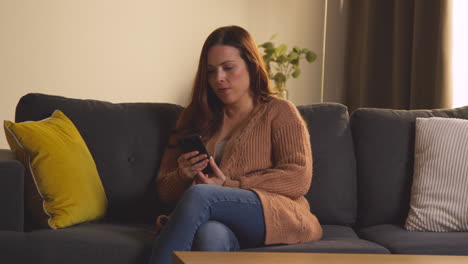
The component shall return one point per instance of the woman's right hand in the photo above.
(187, 167)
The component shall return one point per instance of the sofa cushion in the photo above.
(64, 185)
(11, 192)
(86, 243)
(126, 141)
(384, 146)
(439, 193)
(332, 195)
(402, 241)
(336, 239)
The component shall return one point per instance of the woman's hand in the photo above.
(216, 178)
(187, 167)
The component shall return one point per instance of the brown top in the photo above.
(270, 155)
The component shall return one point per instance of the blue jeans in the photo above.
(211, 218)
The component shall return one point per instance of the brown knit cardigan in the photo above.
(271, 155)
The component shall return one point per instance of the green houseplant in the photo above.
(283, 64)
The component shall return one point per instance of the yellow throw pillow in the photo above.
(62, 185)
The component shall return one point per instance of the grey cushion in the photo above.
(86, 243)
(126, 140)
(384, 146)
(439, 192)
(401, 241)
(336, 239)
(332, 195)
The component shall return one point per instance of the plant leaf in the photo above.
(293, 55)
(279, 78)
(267, 45)
(269, 52)
(311, 56)
(296, 72)
(274, 37)
(281, 59)
(281, 50)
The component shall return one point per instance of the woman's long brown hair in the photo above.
(204, 114)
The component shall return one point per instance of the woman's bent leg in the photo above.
(215, 236)
(240, 210)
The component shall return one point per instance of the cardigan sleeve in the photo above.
(169, 185)
(291, 174)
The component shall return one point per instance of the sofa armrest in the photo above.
(11, 192)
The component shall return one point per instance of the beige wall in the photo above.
(137, 50)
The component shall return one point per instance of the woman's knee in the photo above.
(201, 192)
(197, 199)
(214, 236)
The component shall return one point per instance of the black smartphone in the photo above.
(195, 143)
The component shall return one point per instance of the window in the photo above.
(460, 52)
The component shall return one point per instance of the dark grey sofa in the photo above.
(384, 146)
(360, 188)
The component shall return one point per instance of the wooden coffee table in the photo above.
(180, 257)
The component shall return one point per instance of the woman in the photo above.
(262, 166)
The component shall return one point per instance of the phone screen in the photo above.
(195, 143)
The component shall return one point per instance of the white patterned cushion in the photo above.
(439, 194)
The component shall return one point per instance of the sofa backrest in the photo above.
(126, 141)
(332, 195)
(384, 146)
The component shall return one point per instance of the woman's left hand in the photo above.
(216, 178)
